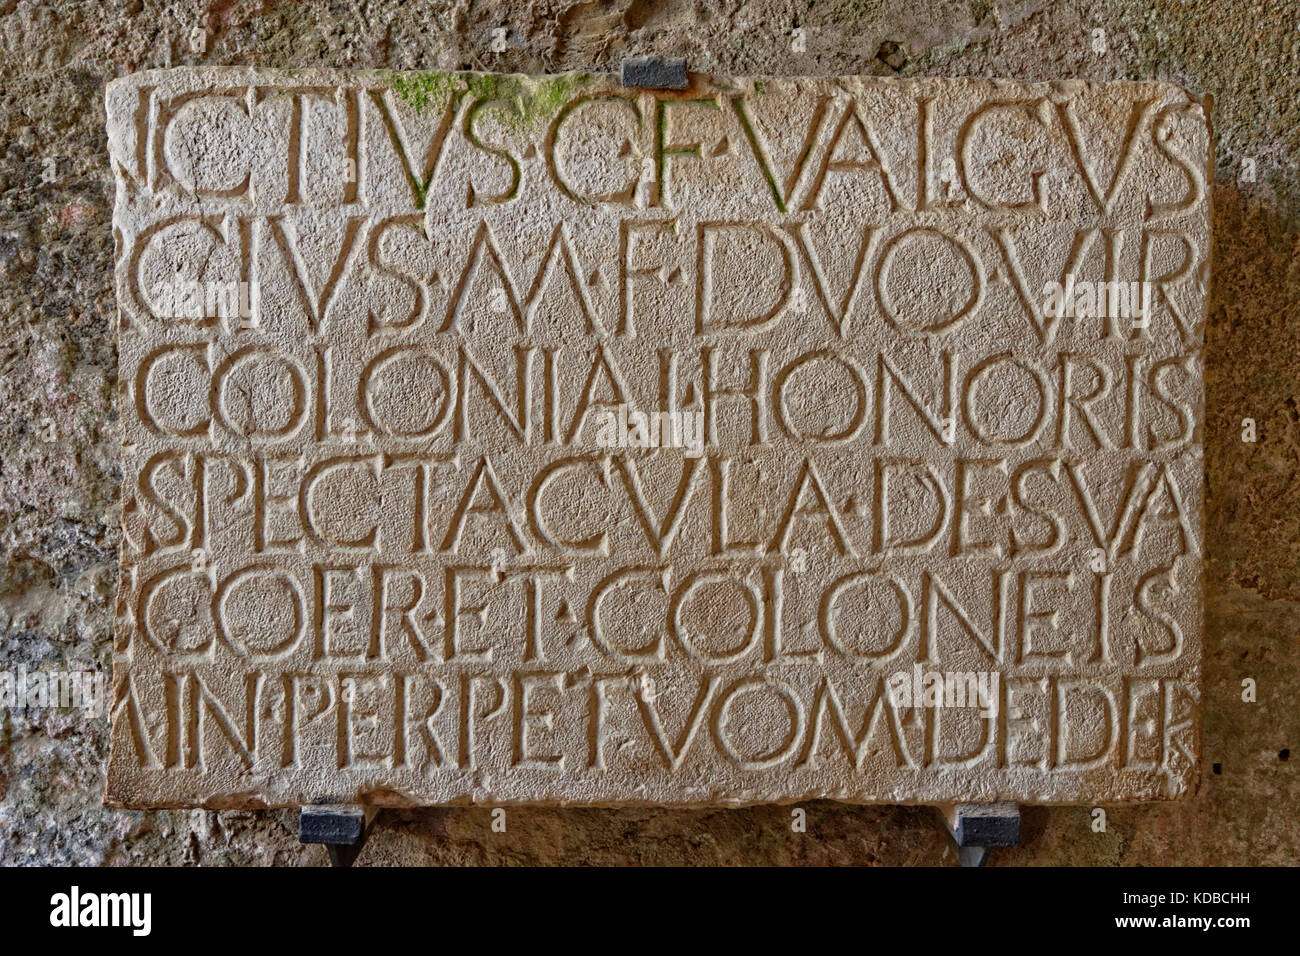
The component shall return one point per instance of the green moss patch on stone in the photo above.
(531, 99)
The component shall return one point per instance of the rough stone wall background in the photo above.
(59, 473)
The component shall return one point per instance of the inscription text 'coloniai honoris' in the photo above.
(510, 439)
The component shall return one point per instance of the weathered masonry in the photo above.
(509, 439)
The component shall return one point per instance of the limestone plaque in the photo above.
(502, 439)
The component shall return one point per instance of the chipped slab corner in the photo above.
(504, 439)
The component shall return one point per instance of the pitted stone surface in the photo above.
(507, 439)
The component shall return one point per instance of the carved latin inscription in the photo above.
(507, 439)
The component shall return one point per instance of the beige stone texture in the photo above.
(927, 358)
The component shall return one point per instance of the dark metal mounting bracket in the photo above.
(655, 72)
(977, 828)
(341, 827)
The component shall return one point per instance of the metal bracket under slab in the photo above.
(655, 72)
(979, 827)
(342, 828)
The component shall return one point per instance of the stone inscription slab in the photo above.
(503, 439)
